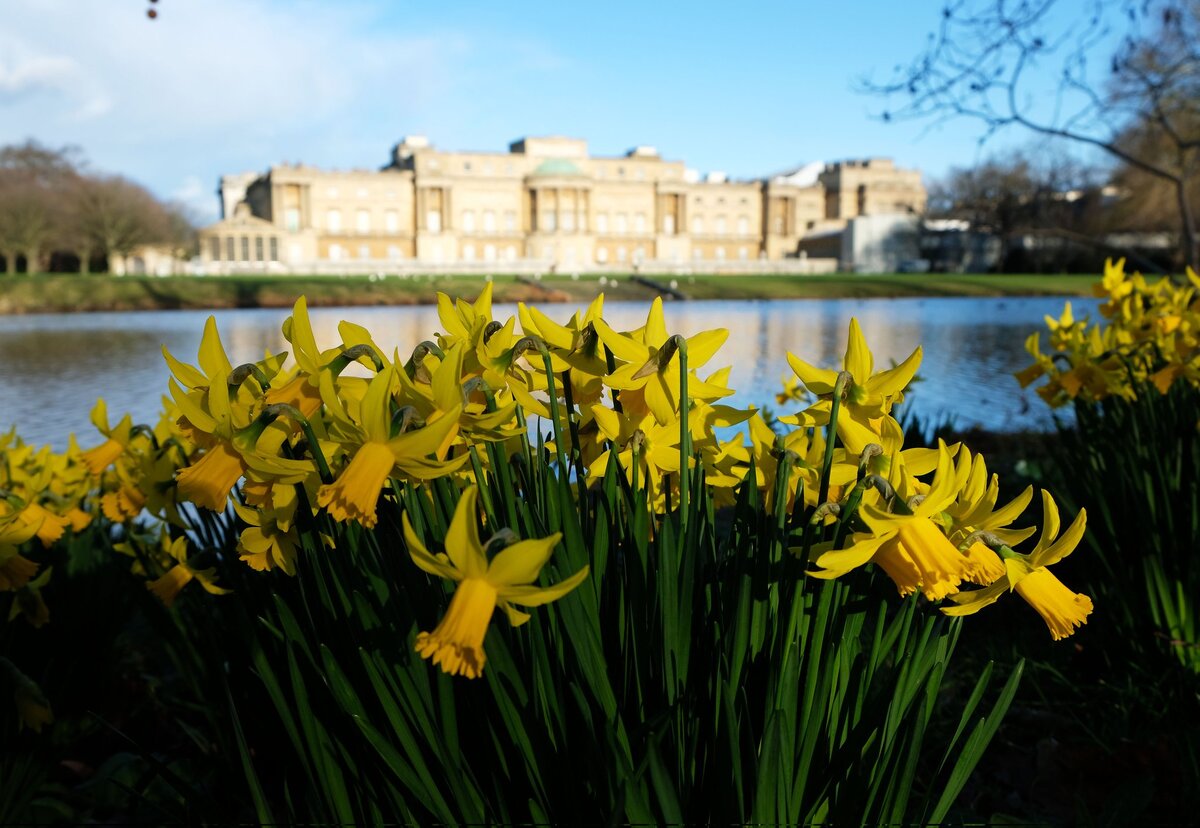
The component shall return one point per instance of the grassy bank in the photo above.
(62, 293)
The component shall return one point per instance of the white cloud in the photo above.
(26, 75)
(223, 86)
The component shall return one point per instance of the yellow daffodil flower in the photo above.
(507, 580)
(1061, 609)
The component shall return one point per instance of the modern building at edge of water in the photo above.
(545, 205)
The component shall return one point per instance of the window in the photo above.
(391, 221)
(362, 192)
(721, 225)
(362, 221)
(743, 225)
(332, 192)
(393, 252)
(640, 174)
(808, 225)
(335, 252)
(743, 253)
(390, 195)
(489, 252)
(602, 222)
(548, 221)
(468, 221)
(489, 221)
(571, 252)
(697, 225)
(245, 249)
(466, 166)
(620, 172)
(214, 245)
(231, 249)
(364, 252)
(777, 225)
(639, 223)
(333, 221)
(602, 255)
(568, 221)
(433, 220)
(468, 252)
(669, 224)
(291, 218)
(639, 254)
(582, 221)
(273, 248)
(258, 248)
(510, 220)
(622, 223)
(720, 254)
(621, 254)
(697, 254)
(510, 253)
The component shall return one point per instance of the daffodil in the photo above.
(375, 453)
(15, 569)
(646, 372)
(506, 581)
(104, 455)
(867, 398)
(168, 586)
(269, 540)
(910, 547)
(1062, 609)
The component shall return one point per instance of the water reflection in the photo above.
(54, 366)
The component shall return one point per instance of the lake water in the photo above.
(53, 367)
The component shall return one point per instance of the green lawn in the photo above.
(68, 292)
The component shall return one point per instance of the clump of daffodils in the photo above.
(294, 445)
(1149, 335)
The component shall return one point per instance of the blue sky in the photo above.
(217, 86)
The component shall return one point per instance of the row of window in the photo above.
(362, 221)
(492, 253)
(361, 192)
(549, 221)
(239, 248)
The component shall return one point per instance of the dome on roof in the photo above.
(556, 166)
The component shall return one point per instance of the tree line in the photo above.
(57, 215)
(1117, 78)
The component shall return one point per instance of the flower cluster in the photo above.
(301, 448)
(1150, 333)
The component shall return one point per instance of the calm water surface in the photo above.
(54, 366)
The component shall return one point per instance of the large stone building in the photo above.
(545, 204)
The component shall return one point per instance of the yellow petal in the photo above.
(817, 380)
(521, 562)
(858, 361)
(462, 538)
(533, 596)
(421, 557)
(212, 356)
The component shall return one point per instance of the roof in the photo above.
(556, 166)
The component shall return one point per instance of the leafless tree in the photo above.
(111, 215)
(1120, 76)
(32, 178)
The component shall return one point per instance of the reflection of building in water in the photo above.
(546, 203)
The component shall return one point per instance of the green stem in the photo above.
(839, 388)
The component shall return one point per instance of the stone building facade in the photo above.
(545, 204)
